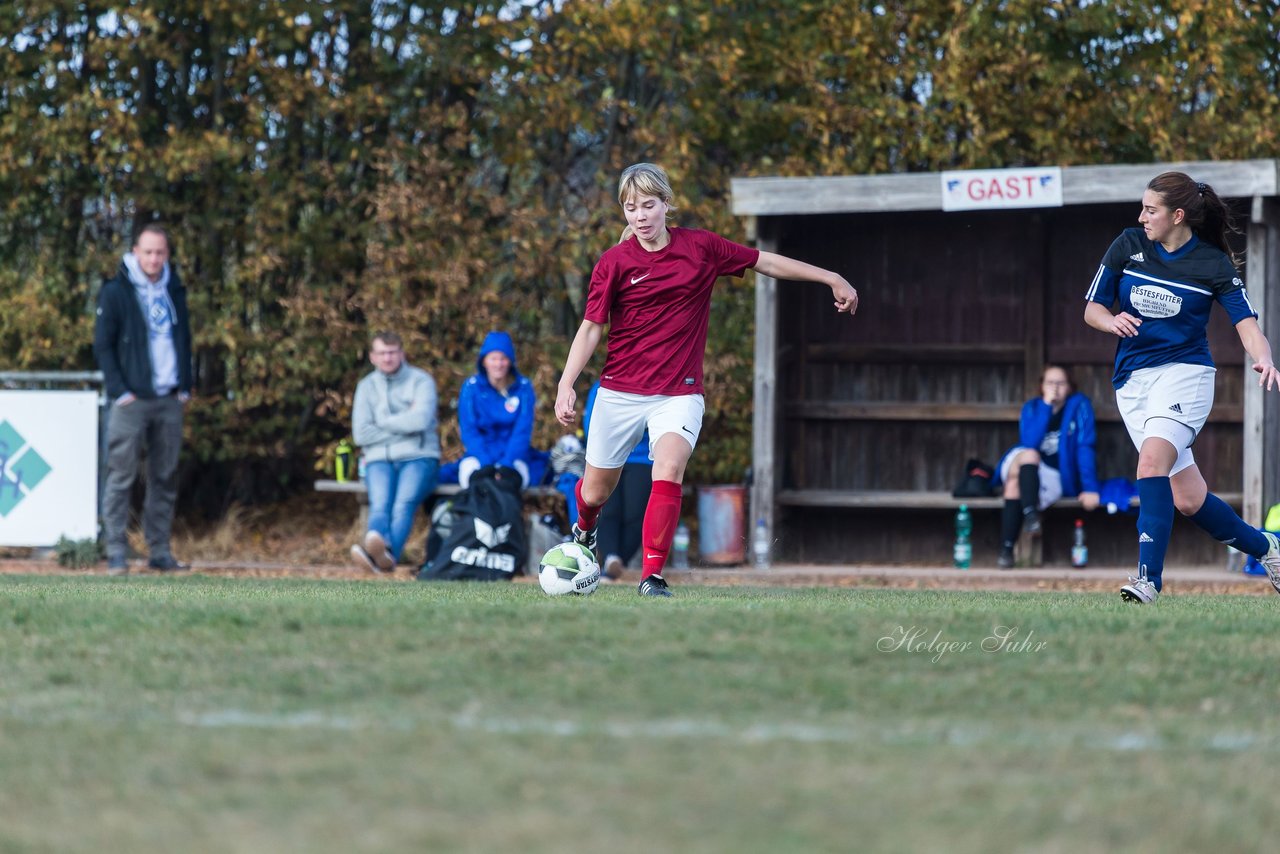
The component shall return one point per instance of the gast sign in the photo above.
(996, 189)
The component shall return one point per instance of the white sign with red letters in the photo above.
(999, 189)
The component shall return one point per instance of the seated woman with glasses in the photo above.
(1054, 457)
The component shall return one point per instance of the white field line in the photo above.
(955, 734)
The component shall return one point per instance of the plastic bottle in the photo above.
(760, 545)
(1079, 551)
(963, 553)
(360, 467)
(680, 548)
(1235, 559)
(344, 455)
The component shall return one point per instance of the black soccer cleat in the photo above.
(654, 585)
(586, 539)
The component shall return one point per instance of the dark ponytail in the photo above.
(1205, 213)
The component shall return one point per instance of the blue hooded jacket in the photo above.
(1077, 462)
(496, 426)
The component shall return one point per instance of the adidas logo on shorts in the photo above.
(1177, 407)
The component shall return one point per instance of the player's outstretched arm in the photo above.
(1098, 316)
(584, 344)
(1259, 349)
(782, 267)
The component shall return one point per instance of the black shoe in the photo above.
(654, 585)
(167, 564)
(1031, 522)
(117, 566)
(586, 539)
(1005, 561)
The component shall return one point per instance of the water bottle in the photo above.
(760, 545)
(343, 457)
(680, 548)
(360, 467)
(963, 553)
(1235, 559)
(1079, 551)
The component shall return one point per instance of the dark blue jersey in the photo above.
(1172, 293)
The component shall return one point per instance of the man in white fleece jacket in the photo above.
(394, 423)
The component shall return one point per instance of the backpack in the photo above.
(487, 539)
(976, 480)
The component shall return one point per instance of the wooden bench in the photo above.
(924, 500)
(444, 490)
(1028, 550)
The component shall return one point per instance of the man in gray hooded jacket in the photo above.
(394, 423)
(142, 341)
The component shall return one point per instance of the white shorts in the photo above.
(1153, 401)
(1050, 478)
(619, 419)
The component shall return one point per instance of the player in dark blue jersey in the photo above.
(1166, 277)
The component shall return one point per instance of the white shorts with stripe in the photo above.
(619, 419)
(1050, 478)
(1168, 401)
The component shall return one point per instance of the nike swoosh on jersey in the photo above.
(635, 280)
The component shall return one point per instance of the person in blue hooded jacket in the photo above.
(495, 412)
(1054, 457)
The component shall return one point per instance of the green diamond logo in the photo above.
(21, 468)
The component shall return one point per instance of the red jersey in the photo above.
(657, 305)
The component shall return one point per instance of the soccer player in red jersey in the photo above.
(654, 291)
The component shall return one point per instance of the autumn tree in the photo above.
(331, 168)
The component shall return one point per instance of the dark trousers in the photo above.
(153, 427)
(622, 517)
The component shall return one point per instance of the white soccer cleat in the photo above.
(1139, 590)
(1271, 560)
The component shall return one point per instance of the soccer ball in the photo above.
(568, 568)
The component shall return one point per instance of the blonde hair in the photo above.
(644, 179)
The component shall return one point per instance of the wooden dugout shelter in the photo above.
(862, 426)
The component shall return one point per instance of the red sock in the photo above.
(660, 520)
(587, 515)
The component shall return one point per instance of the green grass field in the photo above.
(205, 714)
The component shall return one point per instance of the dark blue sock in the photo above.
(1155, 523)
(1221, 522)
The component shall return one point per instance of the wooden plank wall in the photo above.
(958, 314)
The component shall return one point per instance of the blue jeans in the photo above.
(395, 492)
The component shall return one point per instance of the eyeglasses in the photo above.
(1057, 382)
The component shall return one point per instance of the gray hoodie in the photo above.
(394, 416)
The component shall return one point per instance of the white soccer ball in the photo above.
(568, 568)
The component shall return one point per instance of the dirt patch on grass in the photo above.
(310, 535)
(923, 578)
